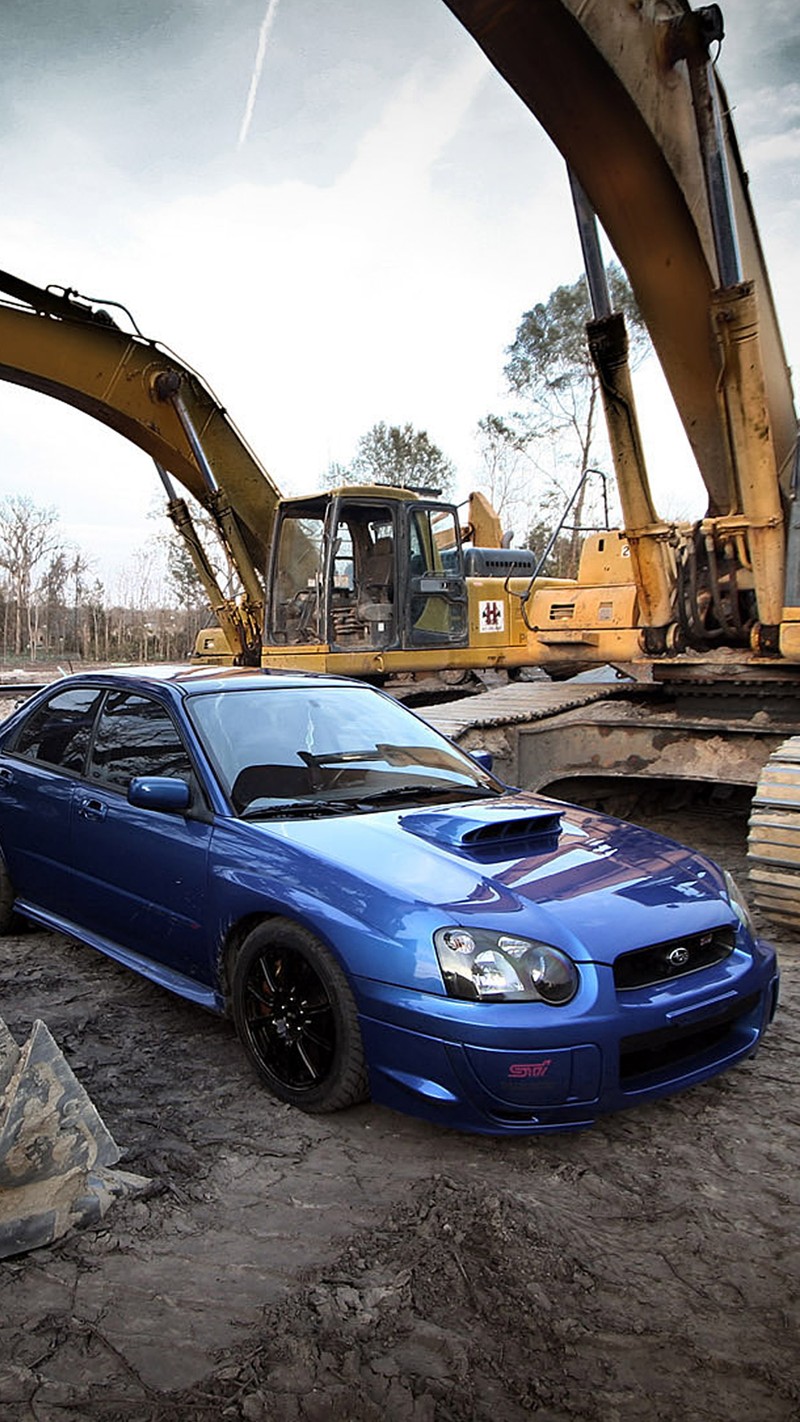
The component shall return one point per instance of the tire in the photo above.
(8, 918)
(297, 1020)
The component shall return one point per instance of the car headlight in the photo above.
(738, 902)
(496, 967)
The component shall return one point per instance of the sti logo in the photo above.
(524, 1071)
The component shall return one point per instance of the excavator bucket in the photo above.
(57, 1157)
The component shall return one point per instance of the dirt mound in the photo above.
(466, 1304)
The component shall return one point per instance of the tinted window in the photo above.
(136, 736)
(58, 732)
(342, 741)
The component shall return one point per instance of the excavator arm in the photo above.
(629, 94)
(65, 348)
(610, 82)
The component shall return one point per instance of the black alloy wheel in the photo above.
(297, 1019)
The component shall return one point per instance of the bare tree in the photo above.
(27, 538)
(507, 471)
(557, 425)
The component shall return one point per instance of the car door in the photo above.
(40, 766)
(140, 874)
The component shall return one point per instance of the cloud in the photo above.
(775, 148)
(399, 153)
(316, 310)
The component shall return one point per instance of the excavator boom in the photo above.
(64, 348)
(610, 81)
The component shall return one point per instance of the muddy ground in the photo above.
(367, 1266)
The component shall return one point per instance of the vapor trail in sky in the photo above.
(263, 36)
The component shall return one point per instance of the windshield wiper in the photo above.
(299, 809)
(429, 792)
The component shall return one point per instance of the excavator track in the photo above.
(773, 847)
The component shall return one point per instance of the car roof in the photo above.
(188, 679)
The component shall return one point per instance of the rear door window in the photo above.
(58, 733)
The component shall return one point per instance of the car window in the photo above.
(58, 732)
(136, 736)
(342, 741)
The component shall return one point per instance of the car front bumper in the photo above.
(523, 1068)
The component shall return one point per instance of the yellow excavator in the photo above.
(374, 581)
(366, 581)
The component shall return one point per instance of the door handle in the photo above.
(92, 809)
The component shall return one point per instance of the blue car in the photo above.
(377, 912)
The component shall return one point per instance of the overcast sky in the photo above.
(353, 239)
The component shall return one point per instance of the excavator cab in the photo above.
(367, 569)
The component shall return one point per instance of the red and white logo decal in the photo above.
(521, 1071)
(492, 616)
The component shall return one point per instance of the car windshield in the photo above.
(312, 750)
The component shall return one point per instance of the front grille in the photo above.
(663, 961)
(657, 1052)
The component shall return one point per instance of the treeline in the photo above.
(54, 608)
(92, 632)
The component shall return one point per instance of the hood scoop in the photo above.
(487, 828)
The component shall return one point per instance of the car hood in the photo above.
(519, 864)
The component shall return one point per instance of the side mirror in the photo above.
(159, 792)
(484, 759)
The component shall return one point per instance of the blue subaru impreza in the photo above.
(376, 911)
